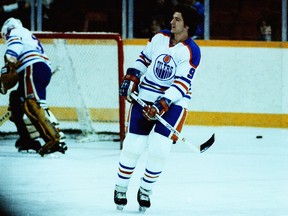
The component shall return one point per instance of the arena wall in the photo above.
(237, 83)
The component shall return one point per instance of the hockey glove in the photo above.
(160, 106)
(8, 78)
(130, 83)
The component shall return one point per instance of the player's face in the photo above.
(177, 23)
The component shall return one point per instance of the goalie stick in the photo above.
(197, 148)
(7, 115)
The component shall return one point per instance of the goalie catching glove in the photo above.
(130, 83)
(8, 78)
(160, 106)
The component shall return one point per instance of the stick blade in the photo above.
(207, 144)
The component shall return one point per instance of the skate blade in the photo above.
(119, 207)
(142, 209)
(27, 150)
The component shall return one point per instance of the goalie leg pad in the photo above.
(52, 119)
(46, 128)
(61, 147)
(33, 132)
(55, 122)
(16, 108)
(27, 132)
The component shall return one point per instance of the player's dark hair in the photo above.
(190, 17)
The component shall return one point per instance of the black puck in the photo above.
(259, 137)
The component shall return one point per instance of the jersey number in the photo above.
(191, 73)
(39, 46)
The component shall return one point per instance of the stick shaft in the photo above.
(167, 125)
(196, 148)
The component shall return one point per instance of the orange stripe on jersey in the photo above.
(33, 55)
(128, 118)
(182, 84)
(28, 82)
(180, 124)
(13, 39)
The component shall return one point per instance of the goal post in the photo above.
(84, 91)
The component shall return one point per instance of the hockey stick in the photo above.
(198, 148)
(7, 115)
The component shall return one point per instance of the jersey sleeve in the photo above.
(145, 58)
(186, 68)
(14, 45)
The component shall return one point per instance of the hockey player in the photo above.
(27, 65)
(162, 76)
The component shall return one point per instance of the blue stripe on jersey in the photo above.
(14, 42)
(182, 93)
(29, 56)
(151, 89)
(29, 52)
(146, 58)
(143, 62)
(26, 61)
(188, 81)
(187, 96)
(11, 52)
(154, 84)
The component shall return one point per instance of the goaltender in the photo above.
(27, 65)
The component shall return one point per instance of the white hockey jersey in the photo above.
(167, 70)
(25, 47)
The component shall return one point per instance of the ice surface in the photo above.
(238, 175)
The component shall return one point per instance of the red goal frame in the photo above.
(110, 36)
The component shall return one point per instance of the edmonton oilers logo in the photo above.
(164, 68)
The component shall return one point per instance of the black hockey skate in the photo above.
(26, 145)
(143, 199)
(60, 147)
(120, 197)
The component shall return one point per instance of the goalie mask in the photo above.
(10, 24)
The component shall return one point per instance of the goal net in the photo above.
(83, 92)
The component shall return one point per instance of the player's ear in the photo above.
(186, 28)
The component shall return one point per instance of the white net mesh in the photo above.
(83, 92)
